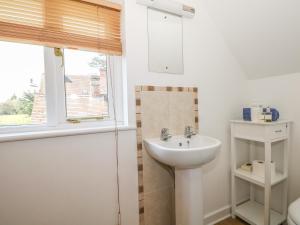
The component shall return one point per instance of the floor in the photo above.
(230, 221)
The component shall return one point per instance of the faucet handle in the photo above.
(165, 135)
(188, 129)
(164, 130)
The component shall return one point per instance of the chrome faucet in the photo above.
(164, 134)
(188, 132)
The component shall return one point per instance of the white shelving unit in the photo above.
(267, 133)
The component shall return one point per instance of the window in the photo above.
(44, 81)
(86, 84)
(22, 89)
(42, 88)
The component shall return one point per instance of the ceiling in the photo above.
(264, 35)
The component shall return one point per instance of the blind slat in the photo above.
(62, 23)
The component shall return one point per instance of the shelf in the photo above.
(267, 133)
(248, 176)
(253, 213)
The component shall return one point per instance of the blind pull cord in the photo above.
(116, 141)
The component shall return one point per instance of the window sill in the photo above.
(51, 133)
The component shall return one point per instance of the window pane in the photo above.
(22, 82)
(85, 84)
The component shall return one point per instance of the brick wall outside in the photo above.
(85, 96)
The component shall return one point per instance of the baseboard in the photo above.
(219, 220)
(221, 214)
(217, 216)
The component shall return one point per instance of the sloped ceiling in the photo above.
(264, 35)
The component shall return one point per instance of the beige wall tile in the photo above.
(181, 111)
(137, 109)
(158, 88)
(139, 137)
(156, 175)
(138, 117)
(137, 94)
(142, 220)
(139, 155)
(154, 112)
(158, 207)
(138, 88)
(173, 217)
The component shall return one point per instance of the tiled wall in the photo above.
(156, 108)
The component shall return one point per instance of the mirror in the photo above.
(165, 42)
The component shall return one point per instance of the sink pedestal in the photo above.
(186, 156)
(188, 196)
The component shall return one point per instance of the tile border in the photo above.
(138, 90)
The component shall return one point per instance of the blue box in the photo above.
(247, 114)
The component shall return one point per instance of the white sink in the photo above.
(181, 152)
(187, 156)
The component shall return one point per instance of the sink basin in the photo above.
(181, 152)
(186, 156)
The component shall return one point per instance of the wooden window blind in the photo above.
(86, 25)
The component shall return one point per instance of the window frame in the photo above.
(56, 100)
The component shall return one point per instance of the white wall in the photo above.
(67, 180)
(263, 35)
(209, 66)
(71, 180)
(282, 92)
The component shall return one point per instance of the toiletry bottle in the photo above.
(262, 115)
(268, 115)
(256, 111)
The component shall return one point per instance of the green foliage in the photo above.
(99, 62)
(16, 105)
(8, 108)
(25, 103)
